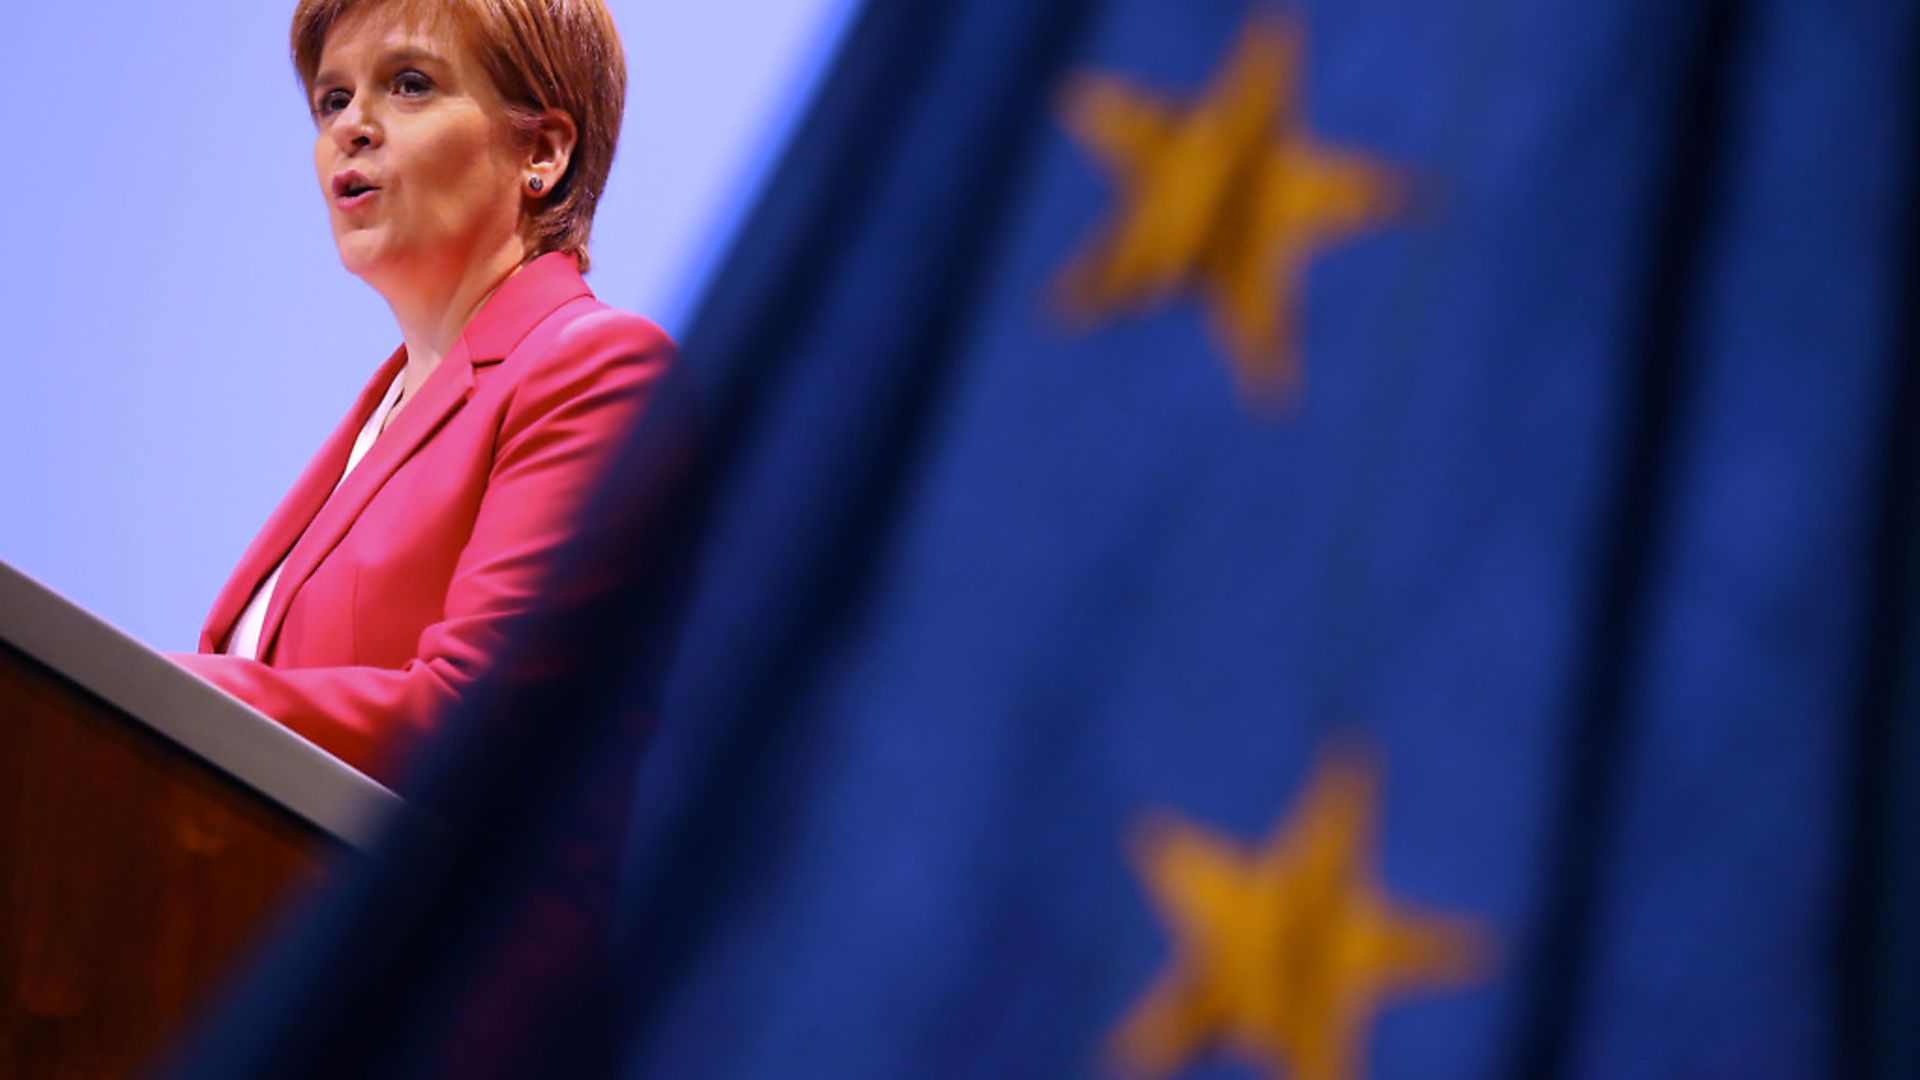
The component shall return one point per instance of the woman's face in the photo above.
(418, 164)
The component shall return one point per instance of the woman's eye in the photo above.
(411, 84)
(331, 102)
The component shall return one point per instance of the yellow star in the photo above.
(1283, 954)
(1230, 196)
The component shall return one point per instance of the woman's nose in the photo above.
(356, 128)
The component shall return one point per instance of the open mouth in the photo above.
(349, 187)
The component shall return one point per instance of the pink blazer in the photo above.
(397, 586)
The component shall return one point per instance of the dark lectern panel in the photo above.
(133, 879)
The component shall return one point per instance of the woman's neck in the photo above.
(433, 309)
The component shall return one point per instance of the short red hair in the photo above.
(540, 54)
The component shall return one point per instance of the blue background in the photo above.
(180, 335)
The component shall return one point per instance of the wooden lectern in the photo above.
(150, 826)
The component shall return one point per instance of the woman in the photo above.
(462, 146)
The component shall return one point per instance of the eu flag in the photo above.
(1298, 540)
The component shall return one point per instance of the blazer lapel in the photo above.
(531, 294)
(440, 397)
(295, 512)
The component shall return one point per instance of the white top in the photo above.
(245, 639)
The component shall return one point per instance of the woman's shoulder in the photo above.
(586, 325)
(583, 347)
(585, 333)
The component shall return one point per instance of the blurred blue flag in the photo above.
(1312, 541)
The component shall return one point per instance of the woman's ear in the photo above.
(551, 152)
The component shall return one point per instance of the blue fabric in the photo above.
(1591, 518)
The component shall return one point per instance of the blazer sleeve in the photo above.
(556, 439)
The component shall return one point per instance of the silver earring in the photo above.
(535, 184)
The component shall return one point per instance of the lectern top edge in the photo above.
(221, 730)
